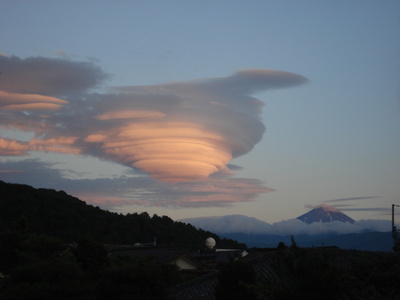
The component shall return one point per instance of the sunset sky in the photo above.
(204, 108)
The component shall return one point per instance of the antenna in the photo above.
(394, 229)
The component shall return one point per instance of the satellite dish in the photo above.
(210, 243)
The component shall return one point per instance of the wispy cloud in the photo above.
(352, 198)
(138, 190)
(181, 133)
(344, 204)
(366, 209)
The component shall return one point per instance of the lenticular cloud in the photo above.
(187, 130)
(174, 132)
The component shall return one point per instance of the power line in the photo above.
(355, 246)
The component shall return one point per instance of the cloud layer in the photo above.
(248, 225)
(176, 132)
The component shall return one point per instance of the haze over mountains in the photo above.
(324, 225)
(324, 219)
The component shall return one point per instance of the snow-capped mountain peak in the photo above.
(325, 213)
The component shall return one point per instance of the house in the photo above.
(187, 260)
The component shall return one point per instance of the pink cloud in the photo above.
(182, 133)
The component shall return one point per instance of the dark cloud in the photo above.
(47, 76)
(30, 171)
(234, 167)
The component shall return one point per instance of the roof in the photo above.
(158, 254)
(262, 262)
(201, 288)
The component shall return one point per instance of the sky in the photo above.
(204, 108)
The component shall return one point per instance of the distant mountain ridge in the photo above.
(325, 213)
(230, 224)
(322, 214)
(338, 230)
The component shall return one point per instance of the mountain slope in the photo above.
(325, 213)
(60, 215)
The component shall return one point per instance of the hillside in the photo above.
(57, 214)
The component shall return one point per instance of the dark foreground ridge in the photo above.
(55, 246)
(300, 273)
(59, 215)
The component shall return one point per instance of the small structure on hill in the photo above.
(210, 243)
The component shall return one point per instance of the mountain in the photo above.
(57, 214)
(342, 231)
(325, 214)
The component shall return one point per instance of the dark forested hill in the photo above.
(60, 215)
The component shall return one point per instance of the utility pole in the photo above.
(394, 229)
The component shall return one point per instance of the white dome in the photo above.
(210, 243)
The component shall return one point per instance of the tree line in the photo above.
(59, 215)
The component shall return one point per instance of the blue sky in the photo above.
(336, 136)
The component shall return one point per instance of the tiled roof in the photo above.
(201, 288)
(159, 254)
